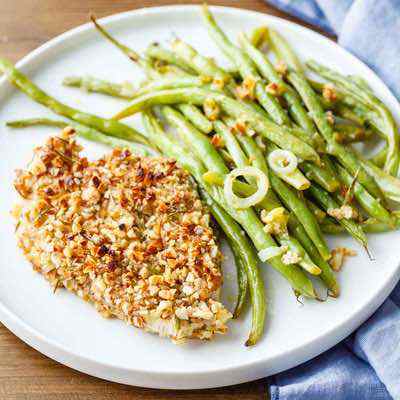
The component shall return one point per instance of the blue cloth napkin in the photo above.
(367, 364)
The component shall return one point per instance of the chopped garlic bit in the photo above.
(344, 212)
(242, 128)
(339, 137)
(338, 257)
(281, 67)
(211, 109)
(291, 257)
(217, 141)
(329, 92)
(218, 83)
(247, 88)
(274, 89)
(260, 142)
(275, 221)
(206, 78)
(329, 117)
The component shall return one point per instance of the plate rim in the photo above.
(63, 354)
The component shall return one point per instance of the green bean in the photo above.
(196, 117)
(246, 68)
(191, 112)
(283, 50)
(327, 202)
(269, 73)
(247, 217)
(349, 131)
(379, 158)
(371, 119)
(389, 185)
(204, 66)
(320, 215)
(170, 83)
(241, 160)
(360, 82)
(206, 151)
(124, 92)
(277, 134)
(245, 254)
(257, 36)
(28, 122)
(327, 275)
(258, 160)
(226, 156)
(254, 153)
(269, 203)
(321, 175)
(348, 108)
(305, 262)
(308, 133)
(311, 101)
(295, 178)
(371, 205)
(294, 203)
(96, 85)
(349, 113)
(131, 54)
(157, 52)
(371, 225)
(209, 70)
(369, 100)
(241, 276)
(107, 126)
(87, 133)
(315, 141)
(348, 159)
(238, 156)
(345, 134)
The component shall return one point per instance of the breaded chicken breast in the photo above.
(126, 233)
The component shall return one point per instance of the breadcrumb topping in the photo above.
(127, 233)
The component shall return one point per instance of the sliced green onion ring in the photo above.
(271, 252)
(282, 161)
(246, 202)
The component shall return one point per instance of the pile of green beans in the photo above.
(257, 107)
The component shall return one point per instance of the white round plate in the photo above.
(65, 328)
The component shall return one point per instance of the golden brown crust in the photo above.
(129, 234)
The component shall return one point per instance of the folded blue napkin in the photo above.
(367, 364)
